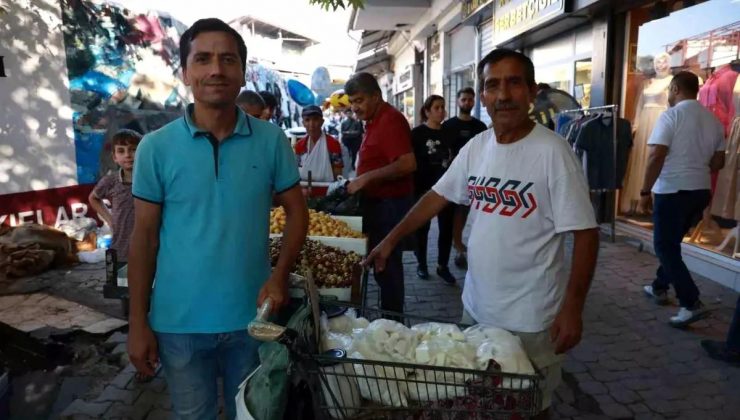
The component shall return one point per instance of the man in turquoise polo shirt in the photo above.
(203, 186)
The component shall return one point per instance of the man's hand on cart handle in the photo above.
(142, 348)
(565, 332)
(379, 255)
(276, 289)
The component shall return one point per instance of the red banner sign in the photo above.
(47, 207)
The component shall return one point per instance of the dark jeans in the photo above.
(353, 145)
(673, 216)
(733, 335)
(444, 241)
(380, 217)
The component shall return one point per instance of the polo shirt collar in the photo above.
(243, 125)
(382, 108)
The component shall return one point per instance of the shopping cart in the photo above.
(346, 388)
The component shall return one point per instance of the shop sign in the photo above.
(471, 7)
(405, 80)
(46, 207)
(513, 17)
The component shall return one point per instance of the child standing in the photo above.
(116, 188)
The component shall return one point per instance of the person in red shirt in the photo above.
(319, 153)
(385, 165)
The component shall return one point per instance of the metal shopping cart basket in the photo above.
(346, 388)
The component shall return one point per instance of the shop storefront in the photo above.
(564, 58)
(407, 84)
(662, 38)
(435, 64)
(461, 71)
(625, 53)
(565, 63)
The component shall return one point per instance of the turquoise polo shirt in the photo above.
(213, 253)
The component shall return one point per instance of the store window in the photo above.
(405, 104)
(457, 81)
(664, 38)
(558, 76)
(582, 88)
(565, 63)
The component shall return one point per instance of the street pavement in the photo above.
(630, 363)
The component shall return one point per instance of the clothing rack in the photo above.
(612, 203)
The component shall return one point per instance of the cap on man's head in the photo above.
(311, 110)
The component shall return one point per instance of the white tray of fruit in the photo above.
(344, 232)
(336, 272)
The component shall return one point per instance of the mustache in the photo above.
(505, 106)
(215, 81)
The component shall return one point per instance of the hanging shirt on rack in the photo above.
(596, 138)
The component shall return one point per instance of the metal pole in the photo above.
(615, 120)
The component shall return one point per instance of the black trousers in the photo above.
(380, 217)
(445, 220)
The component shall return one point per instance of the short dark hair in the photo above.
(465, 90)
(210, 25)
(499, 54)
(687, 82)
(250, 97)
(362, 83)
(543, 86)
(125, 137)
(427, 106)
(270, 99)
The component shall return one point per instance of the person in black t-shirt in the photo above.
(433, 151)
(463, 127)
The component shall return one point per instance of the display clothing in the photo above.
(596, 139)
(717, 95)
(653, 102)
(523, 198)
(725, 202)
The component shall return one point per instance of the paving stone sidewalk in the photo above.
(630, 363)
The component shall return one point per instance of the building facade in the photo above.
(603, 53)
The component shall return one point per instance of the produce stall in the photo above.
(332, 253)
(335, 240)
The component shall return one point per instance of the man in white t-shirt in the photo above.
(526, 190)
(686, 144)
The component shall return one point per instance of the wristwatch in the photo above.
(645, 193)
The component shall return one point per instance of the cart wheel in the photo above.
(124, 307)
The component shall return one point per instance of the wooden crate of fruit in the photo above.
(336, 272)
(338, 231)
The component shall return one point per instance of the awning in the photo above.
(373, 57)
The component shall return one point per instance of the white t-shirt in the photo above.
(693, 134)
(523, 197)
